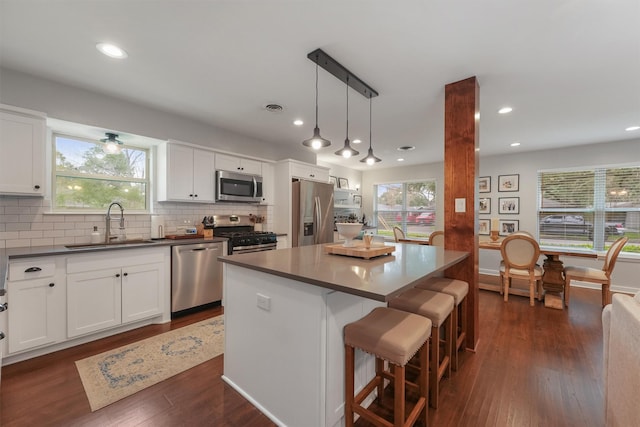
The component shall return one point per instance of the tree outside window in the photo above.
(89, 179)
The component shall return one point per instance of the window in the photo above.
(589, 207)
(88, 179)
(409, 205)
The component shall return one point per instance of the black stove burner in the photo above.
(247, 238)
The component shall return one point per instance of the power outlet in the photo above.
(264, 302)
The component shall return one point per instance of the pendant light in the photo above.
(370, 159)
(347, 151)
(111, 143)
(316, 141)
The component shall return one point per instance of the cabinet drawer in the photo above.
(114, 259)
(31, 269)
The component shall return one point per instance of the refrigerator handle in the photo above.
(317, 220)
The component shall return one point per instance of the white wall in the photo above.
(82, 106)
(626, 275)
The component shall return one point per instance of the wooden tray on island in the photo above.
(359, 251)
(183, 236)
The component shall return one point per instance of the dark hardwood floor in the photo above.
(533, 367)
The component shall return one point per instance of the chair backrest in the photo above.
(612, 255)
(520, 251)
(436, 238)
(398, 233)
(526, 233)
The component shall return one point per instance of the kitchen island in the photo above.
(284, 315)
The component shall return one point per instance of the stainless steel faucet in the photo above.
(107, 234)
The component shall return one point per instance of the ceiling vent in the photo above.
(274, 108)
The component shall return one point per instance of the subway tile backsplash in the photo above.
(27, 221)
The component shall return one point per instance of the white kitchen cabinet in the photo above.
(268, 184)
(237, 164)
(283, 242)
(94, 301)
(185, 173)
(141, 295)
(308, 171)
(105, 290)
(22, 148)
(36, 300)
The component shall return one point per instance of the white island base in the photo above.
(284, 346)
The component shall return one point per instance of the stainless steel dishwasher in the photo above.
(196, 275)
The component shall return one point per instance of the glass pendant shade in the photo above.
(370, 159)
(316, 141)
(111, 144)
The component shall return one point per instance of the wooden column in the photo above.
(461, 139)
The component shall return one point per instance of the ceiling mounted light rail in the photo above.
(351, 80)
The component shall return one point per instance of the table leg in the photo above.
(553, 281)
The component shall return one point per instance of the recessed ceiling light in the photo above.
(515, 144)
(356, 141)
(298, 122)
(400, 159)
(406, 148)
(630, 128)
(505, 110)
(111, 50)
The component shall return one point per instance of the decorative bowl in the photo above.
(348, 230)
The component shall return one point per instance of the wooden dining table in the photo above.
(553, 276)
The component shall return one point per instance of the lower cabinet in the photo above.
(36, 300)
(106, 290)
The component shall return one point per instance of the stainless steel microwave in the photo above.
(238, 187)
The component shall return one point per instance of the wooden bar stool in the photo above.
(436, 307)
(395, 336)
(458, 289)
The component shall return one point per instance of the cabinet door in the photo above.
(268, 185)
(203, 176)
(142, 287)
(32, 319)
(93, 301)
(252, 167)
(22, 145)
(311, 172)
(180, 173)
(237, 164)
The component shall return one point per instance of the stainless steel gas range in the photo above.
(242, 237)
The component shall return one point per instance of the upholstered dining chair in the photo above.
(520, 254)
(594, 275)
(436, 238)
(398, 233)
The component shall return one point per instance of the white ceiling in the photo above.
(570, 69)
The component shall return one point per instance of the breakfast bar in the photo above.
(284, 315)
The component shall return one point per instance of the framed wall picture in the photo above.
(357, 200)
(343, 183)
(508, 226)
(508, 205)
(509, 182)
(485, 205)
(333, 180)
(484, 227)
(484, 184)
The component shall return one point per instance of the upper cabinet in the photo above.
(308, 171)
(22, 148)
(237, 164)
(185, 174)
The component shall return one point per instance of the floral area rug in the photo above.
(113, 375)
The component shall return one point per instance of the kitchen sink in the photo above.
(109, 245)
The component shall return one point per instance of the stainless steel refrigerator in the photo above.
(312, 213)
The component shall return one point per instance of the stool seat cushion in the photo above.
(392, 335)
(458, 289)
(433, 305)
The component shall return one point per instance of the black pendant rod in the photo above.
(341, 73)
